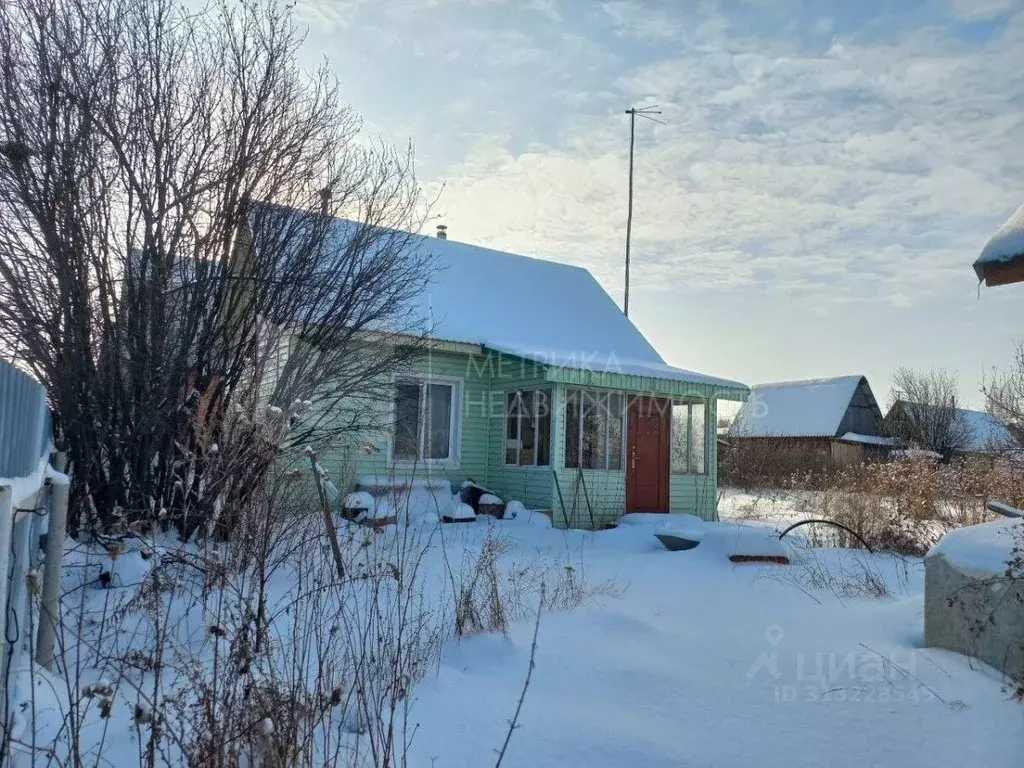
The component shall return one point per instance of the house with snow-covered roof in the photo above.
(969, 435)
(555, 398)
(1002, 259)
(825, 422)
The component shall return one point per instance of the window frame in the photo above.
(624, 428)
(689, 403)
(453, 461)
(519, 426)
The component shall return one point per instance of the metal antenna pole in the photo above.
(629, 210)
(633, 112)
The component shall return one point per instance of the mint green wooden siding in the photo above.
(644, 384)
(530, 485)
(352, 461)
(606, 489)
(486, 379)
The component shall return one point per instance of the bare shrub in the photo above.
(765, 463)
(490, 594)
(480, 605)
(844, 576)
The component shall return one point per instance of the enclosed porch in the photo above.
(592, 446)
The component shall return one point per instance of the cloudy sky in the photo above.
(825, 176)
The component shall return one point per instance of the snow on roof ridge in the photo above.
(807, 408)
(809, 382)
(1006, 244)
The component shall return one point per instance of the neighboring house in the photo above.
(536, 386)
(978, 433)
(1002, 259)
(827, 422)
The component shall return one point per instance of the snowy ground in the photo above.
(683, 659)
(705, 663)
(779, 508)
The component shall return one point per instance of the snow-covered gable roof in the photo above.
(1007, 244)
(987, 432)
(544, 311)
(540, 310)
(984, 431)
(809, 408)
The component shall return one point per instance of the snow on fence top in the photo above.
(24, 422)
(809, 408)
(1005, 245)
(544, 311)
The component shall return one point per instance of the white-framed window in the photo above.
(689, 446)
(426, 421)
(595, 432)
(528, 428)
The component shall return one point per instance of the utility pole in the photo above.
(633, 112)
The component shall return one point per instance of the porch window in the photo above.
(689, 450)
(528, 428)
(426, 414)
(594, 429)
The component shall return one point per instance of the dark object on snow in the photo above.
(494, 510)
(675, 543)
(351, 513)
(450, 519)
(829, 522)
(471, 493)
(777, 559)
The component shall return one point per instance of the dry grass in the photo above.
(492, 594)
(899, 506)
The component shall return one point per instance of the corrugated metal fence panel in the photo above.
(24, 422)
(25, 435)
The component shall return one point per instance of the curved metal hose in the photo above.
(830, 522)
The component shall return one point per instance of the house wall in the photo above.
(846, 454)
(369, 455)
(486, 379)
(863, 415)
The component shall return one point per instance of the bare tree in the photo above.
(924, 411)
(169, 261)
(1004, 394)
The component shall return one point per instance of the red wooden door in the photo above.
(647, 455)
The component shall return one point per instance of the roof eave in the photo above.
(1000, 272)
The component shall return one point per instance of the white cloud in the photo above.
(816, 164)
(979, 10)
(812, 206)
